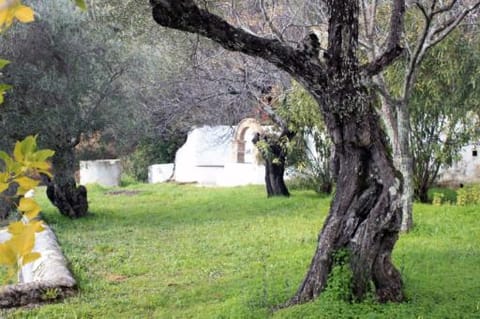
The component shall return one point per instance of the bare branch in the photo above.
(418, 53)
(275, 31)
(423, 10)
(433, 34)
(443, 30)
(446, 8)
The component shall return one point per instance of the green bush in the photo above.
(309, 182)
(442, 195)
(148, 152)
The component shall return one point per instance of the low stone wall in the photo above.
(45, 279)
(103, 172)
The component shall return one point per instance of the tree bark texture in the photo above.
(365, 215)
(62, 191)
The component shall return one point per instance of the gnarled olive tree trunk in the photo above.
(274, 156)
(62, 191)
(365, 215)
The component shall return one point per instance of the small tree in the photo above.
(65, 82)
(447, 81)
(298, 139)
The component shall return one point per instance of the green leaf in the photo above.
(43, 155)
(7, 255)
(4, 87)
(3, 63)
(81, 4)
(6, 158)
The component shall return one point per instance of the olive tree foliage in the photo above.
(66, 79)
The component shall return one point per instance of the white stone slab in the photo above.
(103, 172)
(48, 273)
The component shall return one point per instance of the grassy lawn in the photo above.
(168, 251)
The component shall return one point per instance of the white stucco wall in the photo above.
(160, 173)
(103, 172)
(205, 147)
(465, 171)
(237, 174)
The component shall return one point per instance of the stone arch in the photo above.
(243, 149)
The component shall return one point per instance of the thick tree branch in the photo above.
(185, 15)
(383, 61)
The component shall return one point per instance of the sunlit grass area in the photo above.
(171, 251)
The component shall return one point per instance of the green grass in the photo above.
(173, 251)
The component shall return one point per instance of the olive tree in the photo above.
(365, 214)
(66, 83)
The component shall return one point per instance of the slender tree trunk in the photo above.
(404, 162)
(398, 128)
(62, 191)
(423, 193)
(326, 188)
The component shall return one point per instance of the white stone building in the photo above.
(466, 170)
(226, 156)
(220, 156)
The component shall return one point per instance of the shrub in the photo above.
(468, 195)
(148, 152)
(441, 195)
